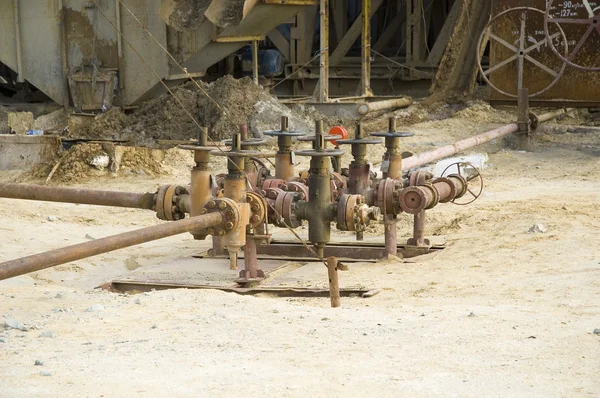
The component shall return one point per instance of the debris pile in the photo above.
(221, 106)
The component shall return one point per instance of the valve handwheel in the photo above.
(588, 18)
(339, 131)
(520, 49)
(472, 176)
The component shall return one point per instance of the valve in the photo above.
(360, 169)
(318, 210)
(284, 159)
(171, 202)
(391, 164)
(473, 181)
(202, 182)
(353, 214)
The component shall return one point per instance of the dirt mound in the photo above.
(84, 161)
(221, 106)
(73, 165)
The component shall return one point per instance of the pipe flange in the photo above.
(299, 188)
(338, 185)
(435, 193)
(452, 188)
(258, 209)
(167, 198)
(419, 177)
(230, 211)
(271, 194)
(285, 206)
(534, 122)
(472, 182)
(412, 200)
(273, 183)
(385, 196)
(353, 214)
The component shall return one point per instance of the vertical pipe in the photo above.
(366, 49)
(119, 43)
(63, 55)
(419, 229)
(521, 54)
(20, 78)
(390, 234)
(324, 48)
(524, 136)
(250, 258)
(255, 61)
(334, 283)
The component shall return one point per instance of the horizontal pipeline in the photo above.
(67, 254)
(78, 195)
(462, 145)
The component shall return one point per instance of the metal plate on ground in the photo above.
(344, 251)
(214, 273)
(194, 271)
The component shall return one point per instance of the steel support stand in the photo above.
(324, 55)
(255, 61)
(366, 50)
(525, 143)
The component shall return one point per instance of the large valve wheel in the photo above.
(474, 181)
(587, 20)
(516, 19)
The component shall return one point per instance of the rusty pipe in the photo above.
(418, 198)
(554, 114)
(462, 145)
(67, 254)
(459, 146)
(78, 195)
(390, 104)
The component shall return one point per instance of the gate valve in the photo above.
(428, 194)
(284, 159)
(391, 165)
(471, 179)
(360, 170)
(319, 210)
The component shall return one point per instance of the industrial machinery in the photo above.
(238, 208)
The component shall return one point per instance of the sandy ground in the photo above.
(499, 312)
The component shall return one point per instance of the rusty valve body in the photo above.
(417, 198)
